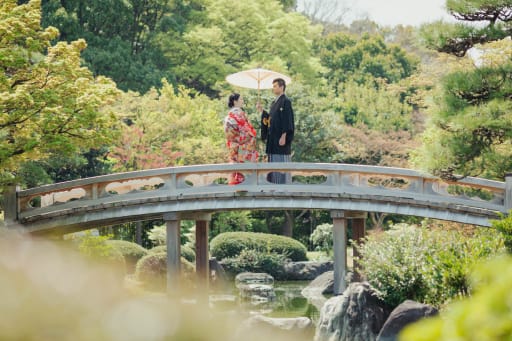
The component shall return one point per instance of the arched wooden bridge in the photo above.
(194, 192)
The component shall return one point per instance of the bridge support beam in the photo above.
(202, 256)
(339, 232)
(358, 233)
(172, 224)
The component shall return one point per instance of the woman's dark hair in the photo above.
(232, 98)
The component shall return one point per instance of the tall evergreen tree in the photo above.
(471, 130)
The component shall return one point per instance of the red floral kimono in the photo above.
(240, 140)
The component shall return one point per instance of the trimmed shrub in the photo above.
(186, 252)
(99, 250)
(131, 252)
(151, 271)
(231, 244)
(255, 261)
(158, 249)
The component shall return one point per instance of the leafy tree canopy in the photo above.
(171, 124)
(226, 42)
(365, 59)
(471, 131)
(493, 18)
(49, 104)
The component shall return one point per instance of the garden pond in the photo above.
(288, 301)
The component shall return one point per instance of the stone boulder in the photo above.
(358, 314)
(406, 313)
(320, 286)
(306, 271)
(256, 287)
(294, 328)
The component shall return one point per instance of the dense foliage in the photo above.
(504, 225)
(49, 103)
(131, 252)
(486, 315)
(231, 244)
(186, 252)
(471, 129)
(430, 266)
(322, 238)
(250, 260)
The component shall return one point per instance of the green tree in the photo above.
(187, 128)
(493, 17)
(49, 104)
(362, 59)
(122, 35)
(471, 128)
(225, 42)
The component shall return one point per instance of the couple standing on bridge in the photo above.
(277, 130)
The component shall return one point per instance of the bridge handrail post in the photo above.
(11, 204)
(508, 191)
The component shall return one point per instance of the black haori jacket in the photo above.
(279, 120)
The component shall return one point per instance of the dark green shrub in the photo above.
(186, 252)
(485, 315)
(255, 261)
(430, 266)
(98, 249)
(158, 249)
(231, 244)
(131, 252)
(151, 271)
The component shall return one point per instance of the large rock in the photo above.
(245, 278)
(256, 287)
(306, 271)
(357, 315)
(406, 313)
(315, 291)
(295, 328)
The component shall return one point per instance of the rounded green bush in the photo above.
(151, 270)
(158, 249)
(186, 252)
(430, 266)
(131, 252)
(231, 244)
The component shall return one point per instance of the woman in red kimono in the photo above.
(240, 136)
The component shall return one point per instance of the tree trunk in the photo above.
(287, 228)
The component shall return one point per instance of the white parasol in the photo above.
(256, 79)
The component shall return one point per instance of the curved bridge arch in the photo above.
(123, 197)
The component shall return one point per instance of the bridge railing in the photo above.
(307, 177)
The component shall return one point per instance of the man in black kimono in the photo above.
(277, 129)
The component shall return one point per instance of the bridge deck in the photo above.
(122, 197)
